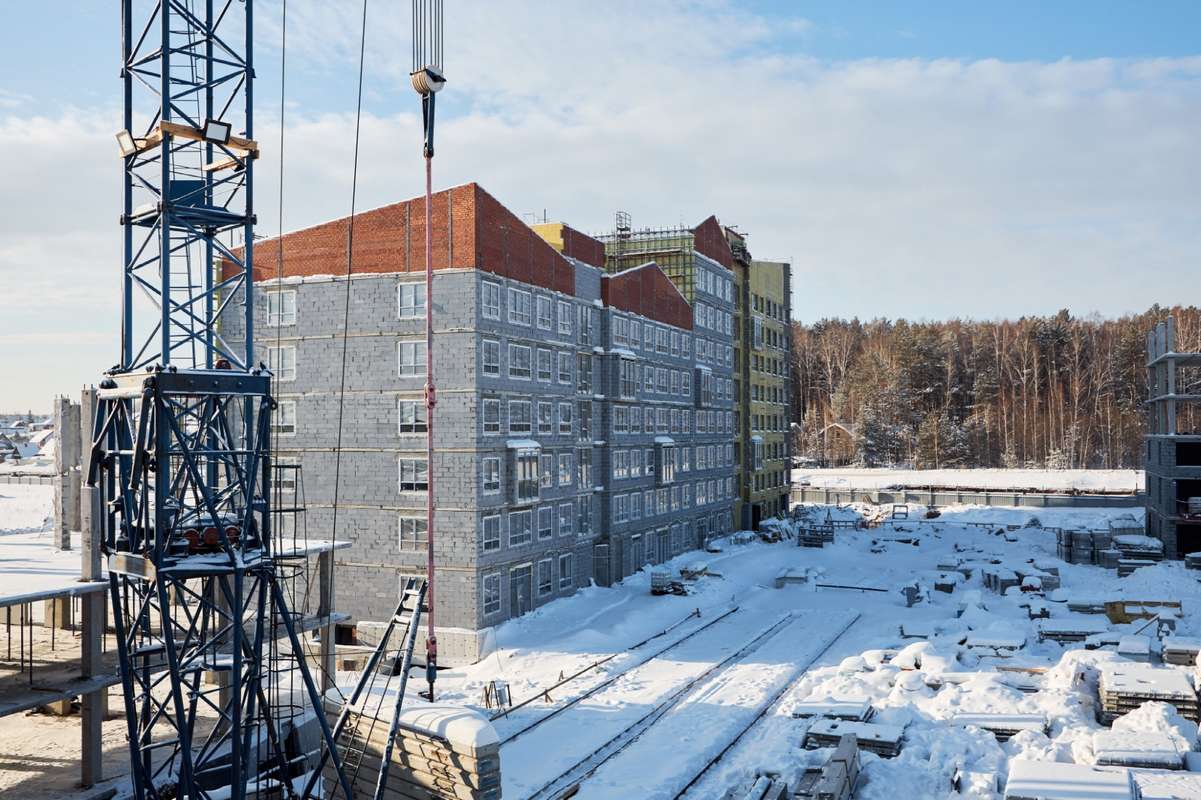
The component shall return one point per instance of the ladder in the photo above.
(353, 737)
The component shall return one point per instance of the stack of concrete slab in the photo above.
(1143, 749)
(1055, 780)
(999, 579)
(836, 779)
(849, 710)
(1124, 686)
(1135, 648)
(1109, 558)
(441, 752)
(883, 740)
(1192, 560)
(1003, 726)
(1137, 546)
(1181, 650)
(1070, 631)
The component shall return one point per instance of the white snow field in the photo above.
(648, 721)
(1082, 481)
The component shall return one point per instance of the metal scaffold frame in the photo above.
(181, 440)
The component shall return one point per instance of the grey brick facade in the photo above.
(502, 546)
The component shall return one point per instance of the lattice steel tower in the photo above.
(181, 448)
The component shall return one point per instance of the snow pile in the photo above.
(1159, 719)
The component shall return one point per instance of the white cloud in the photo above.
(897, 187)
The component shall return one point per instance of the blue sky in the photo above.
(923, 159)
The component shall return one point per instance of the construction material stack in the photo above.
(1124, 686)
(440, 753)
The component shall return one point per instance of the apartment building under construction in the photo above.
(585, 416)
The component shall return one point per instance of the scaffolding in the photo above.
(672, 249)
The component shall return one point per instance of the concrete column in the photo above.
(94, 606)
(325, 608)
(66, 460)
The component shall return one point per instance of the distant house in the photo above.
(837, 444)
(42, 439)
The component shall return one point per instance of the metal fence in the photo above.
(946, 497)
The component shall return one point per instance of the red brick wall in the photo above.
(710, 240)
(647, 291)
(471, 229)
(583, 247)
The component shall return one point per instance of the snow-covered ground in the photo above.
(25, 509)
(1080, 480)
(833, 644)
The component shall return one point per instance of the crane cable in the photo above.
(354, 186)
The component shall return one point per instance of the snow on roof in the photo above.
(522, 444)
(1055, 780)
(664, 440)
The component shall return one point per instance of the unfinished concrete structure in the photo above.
(549, 471)
(1173, 443)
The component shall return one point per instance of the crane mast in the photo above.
(181, 447)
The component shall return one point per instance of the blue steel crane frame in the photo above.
(181, 439)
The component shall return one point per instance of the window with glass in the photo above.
(525, 475)
(491, 475)
(412, 533)
(565, 368)
(547, 471)
(410, 300)
(628, 385)
(546, 420)
(491, 593)
(545, 579)
(566, 519)
(520, 416)
(565, 410)
(520, 307)
(414, 475)
(490, 357)
(412, 415)
(564, 318)
(584, 373)
(490, 300)
(521, 527)
(584, 468)
(545, 365)
(546, 522)
(520, 366)
(412, 358)
(281, 308)
(282, 362)
(491, 415)
(545, 313)
(566, 573)
(283, 418)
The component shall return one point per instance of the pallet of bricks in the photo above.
(440, 753)
(1123, 687)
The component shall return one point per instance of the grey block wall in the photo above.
(476, 587)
